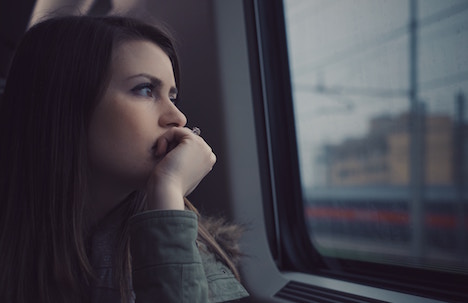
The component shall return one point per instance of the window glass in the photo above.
(379, 92)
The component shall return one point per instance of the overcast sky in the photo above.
(358, 51)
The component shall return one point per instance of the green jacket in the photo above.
(169, 267)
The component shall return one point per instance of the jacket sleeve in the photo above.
(166, 262)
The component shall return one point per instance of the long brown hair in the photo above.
(57, 76)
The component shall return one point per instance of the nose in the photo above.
(172, 116)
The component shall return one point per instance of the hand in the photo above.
(183, 160)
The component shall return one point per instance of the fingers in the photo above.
(184, 156)
(185, 138)
(183, 159)
(170, 139)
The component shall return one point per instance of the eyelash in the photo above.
(137, 90)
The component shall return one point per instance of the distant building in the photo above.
(383, 156)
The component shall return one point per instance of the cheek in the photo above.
(120, 140)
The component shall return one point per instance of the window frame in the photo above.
(280, 175)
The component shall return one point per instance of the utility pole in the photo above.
(460, 167)
(416, 142)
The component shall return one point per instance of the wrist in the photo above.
(165, 197)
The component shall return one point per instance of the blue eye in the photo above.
(144, 90)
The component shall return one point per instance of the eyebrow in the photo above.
(155, 81)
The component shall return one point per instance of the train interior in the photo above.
(339, 131)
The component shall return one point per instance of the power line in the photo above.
(382, 39)
(444, 81)
(443, 14)
(432, 36)
(382, 92)
(353, 50)
(353, 91)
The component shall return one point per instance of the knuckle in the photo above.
(213, 158)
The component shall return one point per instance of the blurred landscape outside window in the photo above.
(379, 92)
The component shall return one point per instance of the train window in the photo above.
(377, 136)
(379, 99)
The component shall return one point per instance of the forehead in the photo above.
(140, 56)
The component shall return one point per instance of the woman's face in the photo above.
(136, 109)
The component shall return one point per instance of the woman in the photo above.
(96, 164)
